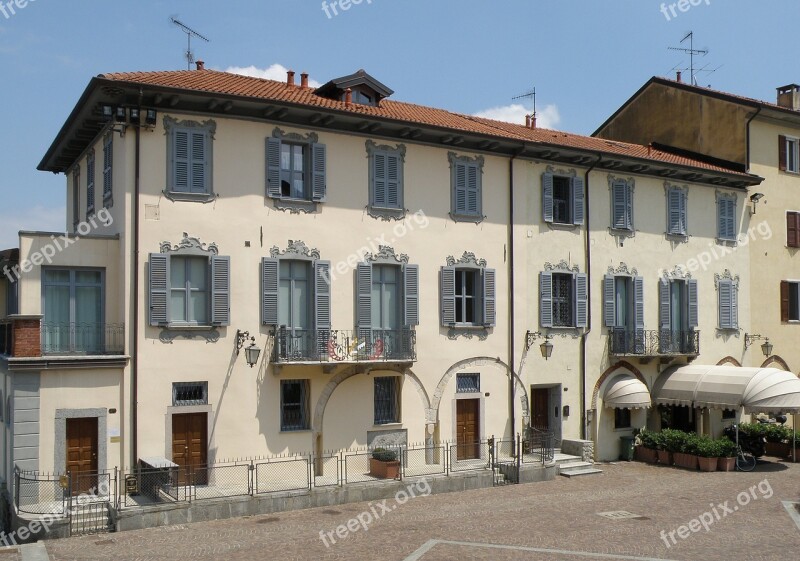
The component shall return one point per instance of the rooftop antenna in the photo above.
(530, 94)
(691, 51)
(189, 34)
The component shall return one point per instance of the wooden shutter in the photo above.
(90, 172)
(546, 299)
(473, 190)
(447, 295)
(609, 301)
(318, 172)
(159, 288)
(273, 161)
(180, 161)
(364, 296)
(782, 153)
(724, 296)
(734, 306)
(379, 184)
(489, 297)
(200, 179)
(547, 196)
(675, 209)
(108, 163)
(793, 229)
(322, 295)
(578, 211)
(694, 319)
(269, 290)
(664, 305)
(411, 295)
(460, 188)
(638, 303)
(394, 186)
(620, 205)
(220, 290)
(784, 301)
(581, 300)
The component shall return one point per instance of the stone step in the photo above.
(580, 471)
(560, 458)
(572, 465)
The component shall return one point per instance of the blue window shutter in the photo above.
(269, 291)
(90, 184)
(159, 288)
(364, 296)
(220, 290)
(638, 303)
(619, 205)
(546, 299)
(459, 188)
(609, 301)
(200, 179)
(108, 164)
(674, 212)
(684, 198)
(322, 295)
(379, 185)
(180, 161)
(628, 188)
(489, 297)
(664, 305)
(473, 190)
(411, 295)
(273, 160)
(448, 295)
(724, 290)
(577, 201)
(581, 300)
(318, 172)
(734, 306)
(547, 196)
(731, 214)
(394, 181)
(694, 319)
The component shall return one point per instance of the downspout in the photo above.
(511, 309)
(588, 253)
(135, 349)
(750, 120)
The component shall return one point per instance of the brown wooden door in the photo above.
(189, 445)
(468, 413)
(540, 408)
(82, 454)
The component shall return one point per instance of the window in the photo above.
(388, 296)
(189, 393)
(108, 163)
(728, 414)
(468, 296)
(72, 304)
(622, 418)
(466, 188)
(563, 299)
(790, 301)
(728, 303)
(90, 184)
(676, 211)
(76, 197)
(789, 154)
(189, 289)
(294, 405)
(621, 204)
(189, 151)
(678, 315)
(386, 180)
(623, 312)
(468, 383)
(296, 168)
(562, 199)
(726, 217)
(793, 229)
(387, 400)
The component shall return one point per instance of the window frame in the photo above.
(682, 192)
(203, 400)
(392, 401)
(628, 201)
(567, 300)
(793, 287)
(73, 286)
(622, 419)
(188, 289)
(303, 404)
(466, 164)
(291, 172)
(728, 283)
(792, 153)
(727, 201)
(578, 300)
(471, 388)
(386, 212)
(793, 224)
(566, 182)
(207, 128)
(463, 298)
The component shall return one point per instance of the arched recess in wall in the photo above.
(615, 369)
(775, 359)
(729, 360)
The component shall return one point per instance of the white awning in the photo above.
(729, 387)
(626, 392)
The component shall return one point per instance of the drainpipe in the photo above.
(135, 346)
(588, 252)
(750, 120)
(511, 309)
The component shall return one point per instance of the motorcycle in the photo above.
(756, 445)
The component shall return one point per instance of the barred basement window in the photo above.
(468, 383)
(387, 400)
(294, 405)
(189, 393)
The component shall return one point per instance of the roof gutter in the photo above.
(750, 120)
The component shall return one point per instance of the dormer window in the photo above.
(359, 97)
(365, 90)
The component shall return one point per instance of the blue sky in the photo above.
(585, 57)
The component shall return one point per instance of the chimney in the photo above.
(200, 65)
(290, 78)
(789, 97)
(679, 76)
(304, 80)
(348, 97)
(527, 121)
(533, 121)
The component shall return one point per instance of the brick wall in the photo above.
(26, 338)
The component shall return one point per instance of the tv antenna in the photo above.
(529, 95)
(692, 52)
(189, 34)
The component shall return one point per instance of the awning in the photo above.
(626, 392)
(729, 387)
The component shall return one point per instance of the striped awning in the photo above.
(626, 392)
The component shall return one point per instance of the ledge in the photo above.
(189, 197)
(71, 362)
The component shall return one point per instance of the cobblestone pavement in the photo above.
(552, 521)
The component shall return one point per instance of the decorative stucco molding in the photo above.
(190, 245)
(310, 138)
(571, 172)
(468, 259)
(623, 269)
(168, 335)
(561, 266)
(296, 249)
(678, 272)
(386, 254)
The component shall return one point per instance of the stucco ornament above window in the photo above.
(386, 254)
(623, 269)
(295, 250)
(677, 273)
(561, 266)
(468, 259)
(190, 245)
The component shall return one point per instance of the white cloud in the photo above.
(33, 218)
(274, 72)
(547, 118)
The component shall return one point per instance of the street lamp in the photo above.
(546, 348)
(766, 348)
(252, 352)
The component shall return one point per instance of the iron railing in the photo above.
(653, 343)
(82, 338)
(5, 336)
(363, 345)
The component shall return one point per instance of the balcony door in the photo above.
(72, 305)
(295, 309)
(679, 316)
(387, 309)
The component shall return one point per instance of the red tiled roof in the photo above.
(223, 83)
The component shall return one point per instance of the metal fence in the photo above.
(82, 338)
(41, 493)
(325, 345)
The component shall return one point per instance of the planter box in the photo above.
(384, 470)
(646, 455)
(726, 464)
(778, 449)
(707, 464)
(665, 457)
(688, 461)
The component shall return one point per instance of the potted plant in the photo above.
(793, 452)
(648, 450)
(777, 440)
(707, 453)
(384, 464)
(727, 454)
(687, 457)
(673, 441)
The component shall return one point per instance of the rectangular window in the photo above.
(295, 309)
(467, 296)
(189, 160)
(108, 164)
(387, 400)
(562, 200)
(621, 205)
(793, 229)
(728, 414)
(562, 300)
(792, 155)
(90, 184)
(466, 182)
(386, 186)
(189, 393)
(468, 383)
(293, 171)
(72, 303)
(296, 170)
(386, 291)
(622, 418)
(728, 304)
(676, 211)
(623, 302)
(726, 217)
(790, 301)
(294, 405)
(189, 301)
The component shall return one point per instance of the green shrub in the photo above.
(674, 440)
(727, 447)
(384, 455)
(692, 444)
(649, 439)
(708, 448)
(777, 433)
(753, 429)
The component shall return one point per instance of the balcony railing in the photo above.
(376, 345)
(659, 343)
(83, 338)
(5, 336)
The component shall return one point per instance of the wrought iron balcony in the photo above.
(649, 344)
(82, 339)
(328, 346)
